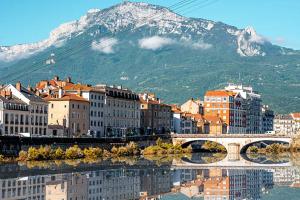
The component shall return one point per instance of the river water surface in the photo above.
(198, 176)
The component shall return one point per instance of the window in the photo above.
(52, 105)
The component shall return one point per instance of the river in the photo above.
(198, 176)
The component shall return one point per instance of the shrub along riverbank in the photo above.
(275, 149)
(44, 153)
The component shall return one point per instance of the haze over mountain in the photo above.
(149, 47)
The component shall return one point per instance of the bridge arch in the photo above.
(246, 146)
(185, 144)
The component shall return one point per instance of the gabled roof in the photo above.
(295, 115)
(213, 119)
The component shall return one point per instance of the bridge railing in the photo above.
(228, 136)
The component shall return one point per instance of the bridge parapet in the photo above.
(234, 143)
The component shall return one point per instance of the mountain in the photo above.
(149, 47)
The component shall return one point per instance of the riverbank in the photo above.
(275, 148)
(46, 153)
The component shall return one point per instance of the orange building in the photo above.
(229, 106)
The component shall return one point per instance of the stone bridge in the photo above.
(234, 143)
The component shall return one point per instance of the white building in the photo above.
(184, 123)
(122, 112)
(288, 124)
(22, 111)
(114, 111)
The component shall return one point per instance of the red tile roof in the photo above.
(67, 97)
(78, 87)
(219, 93)
(296, 115)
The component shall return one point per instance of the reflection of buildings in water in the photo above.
(286, 176)
(155, 182)
(189, 182)
(23, 188)
(237, 184)
(68, 186)
(114, 184)
(118, 184)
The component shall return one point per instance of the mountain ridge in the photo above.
(123, 45)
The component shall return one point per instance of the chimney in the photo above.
(56, 78)
(68, 79)
(18, 85)
(79, 92)
(60, 93)
(29, 88)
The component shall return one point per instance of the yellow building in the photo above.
(70, 111)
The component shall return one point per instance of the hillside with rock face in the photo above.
(148, 47)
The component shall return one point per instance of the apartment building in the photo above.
(70, 111)
(122, 111)
(22, 111)
(184, 123)
(156, 116)
(114, 110)
(252, 105)
(229, 106)
(14, 115)
(96, 97)
(284, 124)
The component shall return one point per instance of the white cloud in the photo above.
(195, 45)
(105, 45)
(258, 39)
(155, 42)
(201, 45)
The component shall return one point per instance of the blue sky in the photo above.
(25, 21)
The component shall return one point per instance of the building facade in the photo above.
(23, 111)
(122, 111)
(156, 116)
(70, 111)
(284, 124)
(184, 123)
(229, 106)
(193, 106)
(252, 105)
(96, 98)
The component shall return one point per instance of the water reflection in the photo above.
(145, 180)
